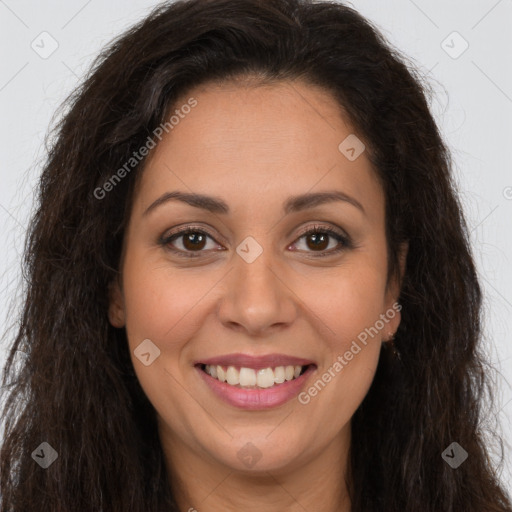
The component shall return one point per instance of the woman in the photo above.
(250, 283)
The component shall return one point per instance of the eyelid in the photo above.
(181, 230)
(325, 227)
(332, 231)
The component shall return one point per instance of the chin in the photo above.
(259, 454)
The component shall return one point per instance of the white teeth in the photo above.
(265, 378)
(279, 375)
(248, 377)
(233, 376)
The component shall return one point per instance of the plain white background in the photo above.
(463, 46)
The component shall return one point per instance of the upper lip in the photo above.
(256, 362)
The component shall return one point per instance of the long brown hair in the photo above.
(75, 387)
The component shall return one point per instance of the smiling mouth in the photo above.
(250, 378)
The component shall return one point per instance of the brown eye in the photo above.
(318, 239)
(188, 241)
(194, 241)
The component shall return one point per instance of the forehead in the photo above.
(270, 141)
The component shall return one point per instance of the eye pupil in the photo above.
(193, 238)
(317, 244)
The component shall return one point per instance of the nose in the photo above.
(257, 298)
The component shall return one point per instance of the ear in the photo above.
(116, 312)
(402, 260)
(393, 292)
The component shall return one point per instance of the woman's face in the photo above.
(247, 288)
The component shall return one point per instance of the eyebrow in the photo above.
(292, 204)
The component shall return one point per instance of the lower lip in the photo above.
(257, 399)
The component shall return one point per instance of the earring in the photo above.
(394, 350)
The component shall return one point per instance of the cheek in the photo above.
(348, 306)
(346, 302)
(159, 303)
(166, 305)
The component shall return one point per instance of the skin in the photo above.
(253, 147)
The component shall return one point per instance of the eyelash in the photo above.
(341, 238)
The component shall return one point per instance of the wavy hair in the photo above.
(75, 386)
